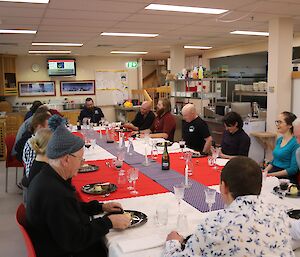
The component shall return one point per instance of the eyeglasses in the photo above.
(278, 122)
(81, 159)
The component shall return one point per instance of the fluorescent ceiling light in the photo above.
(127, 52)
(28, 1)
(127, 34)
(250, 33)
(49, 51)
(17, 31)
(57, 44)
(177, 8)
(198, 47)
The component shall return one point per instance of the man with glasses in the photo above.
(143, 119)
(58, 224)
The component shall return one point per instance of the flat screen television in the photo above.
(61, 67)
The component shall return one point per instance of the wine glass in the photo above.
(182, 146)
(146, 138)
(179, 194)
(130, 148)
(134, 175)
(129, 178)
(210, 197)
(215, 154)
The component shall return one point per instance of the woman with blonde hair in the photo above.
(39, 143)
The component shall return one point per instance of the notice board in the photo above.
(111, 86)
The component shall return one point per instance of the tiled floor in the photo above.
(11, 240)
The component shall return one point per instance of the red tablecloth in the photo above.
(144, 185)
(203, 173)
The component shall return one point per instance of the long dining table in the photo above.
(155, 191)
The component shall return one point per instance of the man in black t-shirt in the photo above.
(195, 131)
(143, 119)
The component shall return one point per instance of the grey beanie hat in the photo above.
(63, 142)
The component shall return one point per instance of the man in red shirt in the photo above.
(164, 125)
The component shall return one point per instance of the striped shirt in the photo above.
(28, 157)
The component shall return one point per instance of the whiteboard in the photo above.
(111, 87)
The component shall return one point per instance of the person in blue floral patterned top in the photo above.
(247, 227)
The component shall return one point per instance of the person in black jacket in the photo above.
(90, 111)
(143, 119)
(59, 225)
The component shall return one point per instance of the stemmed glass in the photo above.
(133, 176)
(129, 178)
(182, 146)
(215, 154)
(210, 197)
(147, 138)
(179, 194)
(130, 148)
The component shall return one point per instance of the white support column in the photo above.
(279, 69)
(177, 59)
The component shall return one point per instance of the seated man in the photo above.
(195, 131)
(58, 224)
(235, 140)
(164, 125)
(247, 227)
(90, 111)
(143, 119)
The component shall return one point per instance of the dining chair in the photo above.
(21, 221)
(11, 161)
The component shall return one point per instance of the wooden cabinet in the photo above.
(8, 84)
(71, 115)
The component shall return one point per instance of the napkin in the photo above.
(138, 244)
(221, 162)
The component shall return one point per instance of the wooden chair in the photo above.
(21, 221)
(163, 92)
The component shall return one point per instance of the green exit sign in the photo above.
(131, 65)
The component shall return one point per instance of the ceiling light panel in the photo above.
(121, 34)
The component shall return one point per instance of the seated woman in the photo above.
(39, 144)
(284, 162)
(164, 125)
(235, 141)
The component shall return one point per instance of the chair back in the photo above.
(21, 221)
(10, 160)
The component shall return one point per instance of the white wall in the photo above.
(86, 68)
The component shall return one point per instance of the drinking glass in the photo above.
(182, 146)
(179, 194)
(154, 151)
(215, 154)
(162, 215)
(147, 138)
(134, 175)
(182, 223)
(121, 155)
(87, 143)
(210, 197)
(129, 178)
(130, 148)
(210, 161)
(117, 164)
(93, 143)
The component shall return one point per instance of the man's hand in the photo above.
(112, 207)
(175, 236)
(120, 221)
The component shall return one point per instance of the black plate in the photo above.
(137, 218)
(294, 214)
(89, 168)
(288, 194)
(106, 188)
(162, 144)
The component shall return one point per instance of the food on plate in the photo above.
(84, 165)
(128, 214)
(98, 188)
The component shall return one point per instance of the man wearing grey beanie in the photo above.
(58, 223)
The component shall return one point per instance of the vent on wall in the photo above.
(8, 44)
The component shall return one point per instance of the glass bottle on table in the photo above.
(78, 124)
(165, 165)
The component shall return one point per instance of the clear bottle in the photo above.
(165, 165)
(200, 73)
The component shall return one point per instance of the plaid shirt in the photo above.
(28, 157)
